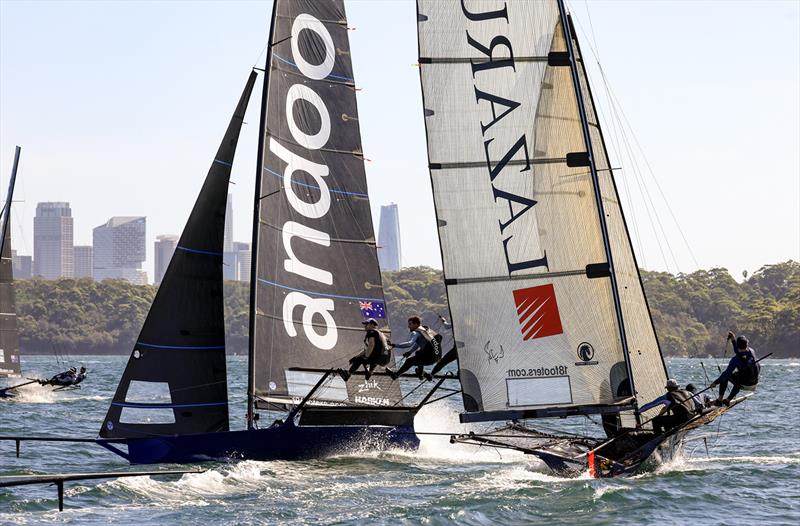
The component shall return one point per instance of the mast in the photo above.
(9, 197)
(566, 26)
(251, 378)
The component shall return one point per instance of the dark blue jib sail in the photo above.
(315, 273)
(175, 381)
(9, 337)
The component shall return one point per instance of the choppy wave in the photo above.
(440, 483)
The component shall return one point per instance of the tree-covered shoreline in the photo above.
(692, 312)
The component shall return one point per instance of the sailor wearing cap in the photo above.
(375, 352)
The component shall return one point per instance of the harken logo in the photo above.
(538, 312)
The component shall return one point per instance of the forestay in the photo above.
(175, 381)
(316, 274)
(9, 336)
(525, 259)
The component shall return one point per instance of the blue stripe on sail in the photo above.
(317, 293)
(195, 347)
(222, 162)
(206, 252)
(331, 190)
(295, 66)
(164, 406)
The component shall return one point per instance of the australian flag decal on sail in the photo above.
(372, 309)
(538, 312)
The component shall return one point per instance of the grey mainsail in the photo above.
(175, 381)
(9, 335)
(315, 268)
(537, 261)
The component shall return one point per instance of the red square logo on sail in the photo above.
(538, 312)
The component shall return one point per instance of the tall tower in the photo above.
(119, 249)
(164, 248)
(83, 261)
(52, 241)
(389, 254)
(228, 253)
(243, 257)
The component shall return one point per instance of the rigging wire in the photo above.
(624, 124)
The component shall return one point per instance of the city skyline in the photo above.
(705, 144)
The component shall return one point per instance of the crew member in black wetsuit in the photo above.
(422, 346)
(451, 356)
(81, 376)
(742, 370)
(678, 408)
(375, 353)
(62, 379)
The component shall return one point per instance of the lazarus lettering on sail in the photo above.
(504, 152)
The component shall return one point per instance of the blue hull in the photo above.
(285, 441)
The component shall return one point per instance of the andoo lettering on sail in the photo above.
(535, 249)
(315, 263)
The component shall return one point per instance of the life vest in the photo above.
(750, 368)
(433, 341)
(682, 403)
(381, 346)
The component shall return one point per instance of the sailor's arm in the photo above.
(661, 400)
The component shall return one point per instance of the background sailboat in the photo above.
(9, 335)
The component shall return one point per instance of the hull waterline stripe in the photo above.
(267, 282)
(195, 347)
(331, 190)
(295, 66)
(164, 406)
(205, 252)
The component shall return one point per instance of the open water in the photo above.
(751, 473)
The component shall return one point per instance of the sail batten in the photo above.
(520, 201)
(315, 270)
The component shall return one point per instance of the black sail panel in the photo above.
(175, 381)
(316, 269)
(9, 335)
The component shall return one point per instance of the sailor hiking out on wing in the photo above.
(376, 352)
(678, 407)
(66, 378)
(742, 370)
(451, 356)
(424, 348)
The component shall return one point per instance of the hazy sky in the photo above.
(120, 106)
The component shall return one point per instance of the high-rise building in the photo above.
(52, 241)
(229, 266)
(164, 248)
(119, 250)
(243, 256)
(389, 255)
(83, 261)
(22, 266)
(227, 243)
